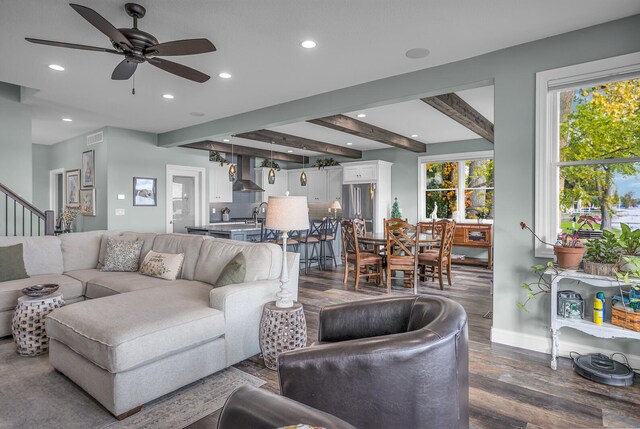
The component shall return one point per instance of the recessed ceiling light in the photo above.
(362, 115)
(225, 75)
(414, 135)
(225, 140)
(56, 67)
(168, 96)
(349, 143)
(289, 151)
(417, 53)
(308, 44)
(67, 119)
(196, 114)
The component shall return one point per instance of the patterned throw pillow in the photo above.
(122, 255)
(162, 265)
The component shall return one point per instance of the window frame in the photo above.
(455, 157)
(549, 84)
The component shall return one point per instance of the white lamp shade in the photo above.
(287, 213)
(336, 205)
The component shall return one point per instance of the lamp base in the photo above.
(284, 296)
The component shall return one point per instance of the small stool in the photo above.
(281, 330)
(28, 323)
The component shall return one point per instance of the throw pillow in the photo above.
(162, 265)
(12, 263)
(122, 255)
(233, 272)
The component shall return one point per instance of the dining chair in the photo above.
(438, 259)
(365, 264)
(402, 250)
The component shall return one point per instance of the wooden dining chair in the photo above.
(364, 264)
(402, 250)
(438, 259)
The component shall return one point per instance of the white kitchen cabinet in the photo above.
(316, 185)
(295, 189)
(355, 172)
(334, 183)
(220, 188)
(278, 189)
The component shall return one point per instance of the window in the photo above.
(458, 186)
(587, 146)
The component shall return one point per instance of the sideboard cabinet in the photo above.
(477, 235)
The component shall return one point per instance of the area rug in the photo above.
(34, 395)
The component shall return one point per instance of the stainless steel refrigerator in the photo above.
(359, 201)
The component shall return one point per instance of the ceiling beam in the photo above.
(362, 129)
(268, 136)
(460, 111)
(246, 151)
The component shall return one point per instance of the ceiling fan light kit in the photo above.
(138, 46)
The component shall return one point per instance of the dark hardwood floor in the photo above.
(509, 387)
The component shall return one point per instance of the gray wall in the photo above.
(41, 176)
(15, 141)
(512, 71)
(135, 153)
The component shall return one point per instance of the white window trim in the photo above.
(454, 157)
(548, 84)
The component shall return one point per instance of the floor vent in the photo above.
(95, 138)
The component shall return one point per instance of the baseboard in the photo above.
(542, 344)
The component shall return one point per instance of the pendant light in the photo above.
(272, 174)
(303, 175)
(233, 171)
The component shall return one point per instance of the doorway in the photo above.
(185, 198)
(56, 191)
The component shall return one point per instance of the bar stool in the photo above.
(330, 231)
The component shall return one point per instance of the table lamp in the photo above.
(286, 214)
(335, 206)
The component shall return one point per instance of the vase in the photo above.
(569, 257)
(599, 269)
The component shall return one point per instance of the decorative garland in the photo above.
(270, 164)
(215, 156)
(325, 162)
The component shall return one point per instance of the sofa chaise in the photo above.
(129, 338)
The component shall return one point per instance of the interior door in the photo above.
(183, 203)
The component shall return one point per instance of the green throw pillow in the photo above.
(12, 263)
(234, 272)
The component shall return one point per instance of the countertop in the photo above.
(225, 228)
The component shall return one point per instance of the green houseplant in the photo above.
(268, 163)
(629, 242)
(541, 286)
(602, 255)
(325, 162)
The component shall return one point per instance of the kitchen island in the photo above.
(232, 231)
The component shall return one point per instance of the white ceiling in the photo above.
(258, 43)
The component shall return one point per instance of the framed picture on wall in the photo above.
(88, 202)
(144, 191)
(72, 182)
(88, 169)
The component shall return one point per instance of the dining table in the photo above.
(380, 239)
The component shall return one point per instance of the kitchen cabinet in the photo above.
(220, 188)
(295, 189)
(279, 188)
(334, 183)
(316, 185)
(359, 173)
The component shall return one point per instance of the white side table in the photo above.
(28, 323)
(281, 330)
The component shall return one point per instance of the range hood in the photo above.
(244, 182)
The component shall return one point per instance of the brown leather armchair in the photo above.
(386, 363)
(252, 408)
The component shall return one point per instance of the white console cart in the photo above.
(606, 330)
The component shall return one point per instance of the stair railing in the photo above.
(25, 213)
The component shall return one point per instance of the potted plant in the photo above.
(541, 285)
(215, 156)
(268, 163)
(569, 249)
(325, 162)
(629, 242)
(602, 255)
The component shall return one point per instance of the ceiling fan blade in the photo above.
(179, 69)
(124, 70)
(181, 47)
(71, 45)
(102, 24)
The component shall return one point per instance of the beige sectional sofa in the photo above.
(136, 338)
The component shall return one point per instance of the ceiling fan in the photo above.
(138, 46)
